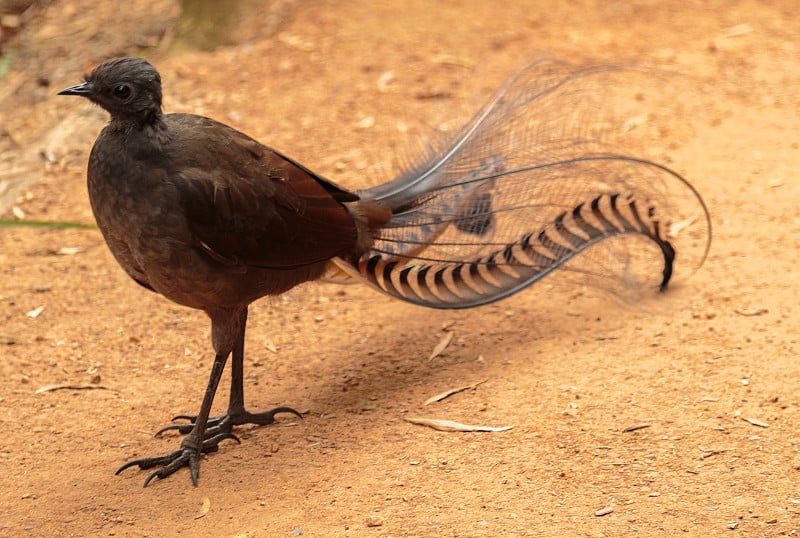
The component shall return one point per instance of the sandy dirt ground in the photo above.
(712, 370)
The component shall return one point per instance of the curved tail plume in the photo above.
(516, 265)
(530, 185)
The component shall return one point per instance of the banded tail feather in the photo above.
(517, 265)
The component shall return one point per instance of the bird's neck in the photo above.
(152, 127)
(125, 119)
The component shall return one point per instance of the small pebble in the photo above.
(374, 521)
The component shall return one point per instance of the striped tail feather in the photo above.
(517, 265)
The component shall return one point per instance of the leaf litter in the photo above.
(204, 507)
(443, 425)
(447, 337)
(442, 395)
(69, 386)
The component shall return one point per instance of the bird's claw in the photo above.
(186, 456)
(217, 430)
(225, 423)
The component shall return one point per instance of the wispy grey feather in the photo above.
(535, 181)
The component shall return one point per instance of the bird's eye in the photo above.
(123, 91)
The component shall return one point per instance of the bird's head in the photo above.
(128, 88)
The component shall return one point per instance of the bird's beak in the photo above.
(84, 89)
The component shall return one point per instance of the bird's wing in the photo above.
(248, 205)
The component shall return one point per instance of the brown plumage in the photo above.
(213, 220)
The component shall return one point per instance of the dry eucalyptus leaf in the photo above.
(604, 511)
(452, 426)
(442, 345)
(635, 427)
(738, 30)
(445, 394)
(458, 61)
(50, 388)
(750, 312)
(756, 422)
(35, 312)
(634, 122)
(204, 508)
(677, 227)
(366, 122)
(384, 80)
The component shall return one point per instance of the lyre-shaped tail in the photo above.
(528, 186)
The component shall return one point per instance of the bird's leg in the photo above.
(195, 442)
(237, 414)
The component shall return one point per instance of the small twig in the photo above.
(636, 427)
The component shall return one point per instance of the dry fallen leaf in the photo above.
(738, 30)
(204, 508)
(634, 122)
(604, 511)
(756, 422)
(636, 427)
(709, 453)
(449, 59)
(445, 394)
(296, 42)
(50, 388)
(677, 227)
(35, 312)
(749, 312)
(442, 345)
(366, 122)
(384, 80)
(452, 426)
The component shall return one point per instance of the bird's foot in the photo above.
(224, 424)
(186, 456)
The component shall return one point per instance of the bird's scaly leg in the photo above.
(237, 415)
(195, 442)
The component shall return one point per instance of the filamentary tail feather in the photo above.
(530, 185)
